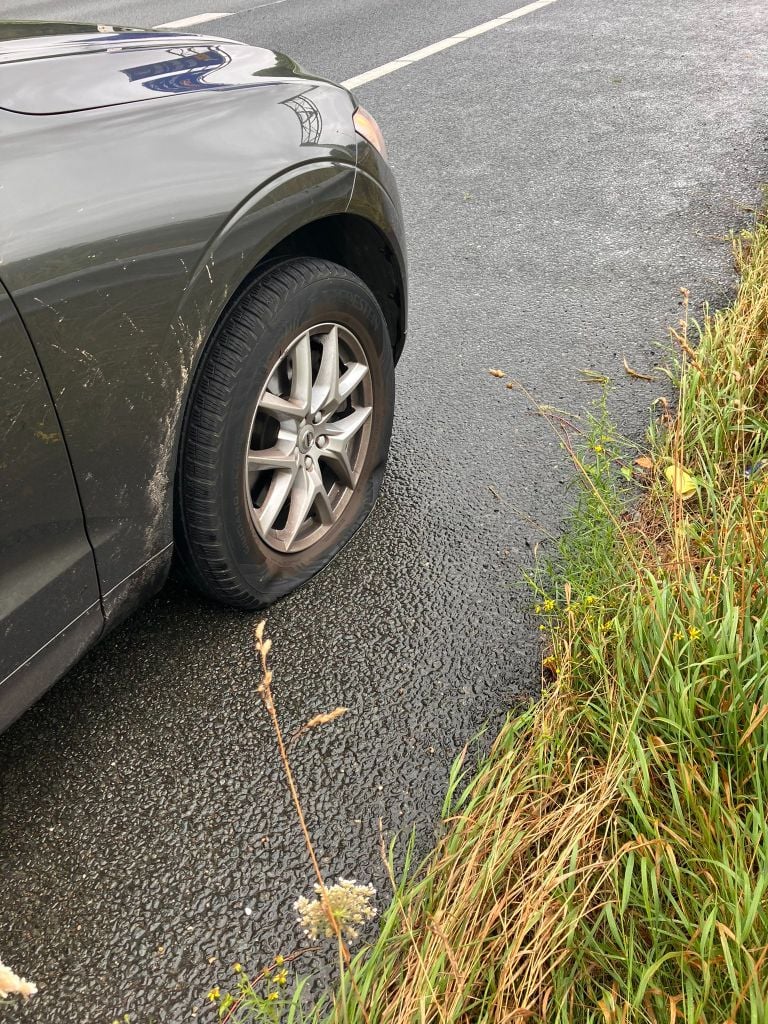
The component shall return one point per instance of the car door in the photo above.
(49, 596)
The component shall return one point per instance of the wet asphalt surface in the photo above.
(561, 177)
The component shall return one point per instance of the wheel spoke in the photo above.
(307, 495)
(338, 458)
(322, 503)
(271, 458)
(301, 378)
(341, 435)
(302, 498)
(325, 393)
(351, 380)
(280, 408)
(279, 490)
(344, 430)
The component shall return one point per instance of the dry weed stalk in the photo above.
(263, 647)
(325, 718)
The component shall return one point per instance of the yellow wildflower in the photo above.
(279, 960)
(272, 997)
(281, 978)
(237, 968)
(694, 633)
(214, 994)
(549, 605)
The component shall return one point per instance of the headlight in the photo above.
(366, 126)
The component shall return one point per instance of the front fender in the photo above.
(276, 210)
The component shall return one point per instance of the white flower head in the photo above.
(12, 985)
(350, 904)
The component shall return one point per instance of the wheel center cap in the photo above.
(306, 440)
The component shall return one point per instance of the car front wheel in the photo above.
(287, 433)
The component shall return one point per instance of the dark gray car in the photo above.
(202, 297)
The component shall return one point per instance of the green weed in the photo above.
(608, 862)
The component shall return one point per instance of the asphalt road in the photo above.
(562, 177)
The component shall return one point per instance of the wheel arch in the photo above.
(357, 244)
(365, 237)
(352, 241)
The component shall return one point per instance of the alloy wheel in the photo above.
(308, 438)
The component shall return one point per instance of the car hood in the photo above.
(56, 68)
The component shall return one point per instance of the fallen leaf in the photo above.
(497, 373)
(681, 481)
(636, 373)
(644, 462)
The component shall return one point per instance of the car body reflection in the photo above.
(187, 71)
(310, 118)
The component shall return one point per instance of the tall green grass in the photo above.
(608, 861)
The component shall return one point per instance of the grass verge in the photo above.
(608, 861)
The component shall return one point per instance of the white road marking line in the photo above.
(443, 44)
(196, 19)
